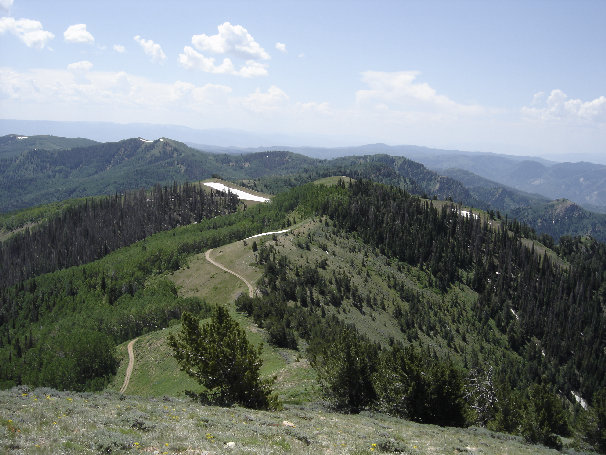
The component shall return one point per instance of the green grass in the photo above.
(156, 372)
(45, 421)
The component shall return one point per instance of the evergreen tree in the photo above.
(345, 369)
(219, 356)
(544, 417)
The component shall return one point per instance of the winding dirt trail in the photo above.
(251, 289)
(131, 364)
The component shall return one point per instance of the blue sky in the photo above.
(519, 77)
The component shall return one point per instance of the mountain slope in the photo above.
(562, 217)
(38, 176)
(397, 269)
(583, 183)
(14, 144)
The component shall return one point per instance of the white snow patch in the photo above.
(267, 233)
(161, 139)
(22, 137)
(515, 314)
(241, 194)
(144, 140)
(579, 399)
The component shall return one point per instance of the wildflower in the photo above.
(54, 423)
(166, 444)
(10, 421)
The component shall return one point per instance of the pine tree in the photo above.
(219, 356)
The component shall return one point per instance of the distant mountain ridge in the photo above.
(36, 176)
(13, 144)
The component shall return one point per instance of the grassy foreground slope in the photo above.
(45, 421)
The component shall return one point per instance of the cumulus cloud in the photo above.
(153, 50)
(119, 48)
(106, 91)
(77, 33)
(83, 65)
(281, 47)
(6, 4)
(262, 102)
(399, 91)
(27, 30)
(191, 59)
(557, 106)
(230, 39)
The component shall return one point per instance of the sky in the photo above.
(517, 77)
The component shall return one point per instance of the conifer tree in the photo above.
(219, 356)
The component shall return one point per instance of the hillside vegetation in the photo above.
(32, 176)
(370, 287)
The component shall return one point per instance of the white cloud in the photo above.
(83, 65)
(399, 91)
(106, 93)
(191, 59)
(119, 48)
(77, 33)
(6, 4)
(273, 100)
(231, 39)
(281, 47)
(27, 30)
(154, 50)
(559, 107)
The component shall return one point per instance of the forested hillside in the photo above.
(14, 144)
(31, 176)
(59, 329)
(375, 284)
(95, 227)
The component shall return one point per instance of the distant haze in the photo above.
(226, 140)
(521, 78)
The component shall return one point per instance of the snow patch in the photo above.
(22, 137)
(241, 194)
(145, 140)
(579, 399)
(515, 314)
(267, 233)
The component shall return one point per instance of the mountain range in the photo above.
(42, 169)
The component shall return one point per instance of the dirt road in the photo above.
(131, 364)
(251, 289)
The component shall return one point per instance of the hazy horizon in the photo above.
(517, 78)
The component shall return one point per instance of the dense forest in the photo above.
(91, 229)
(54, 325)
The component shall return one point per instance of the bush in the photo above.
(219, 356)
(424, 390)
